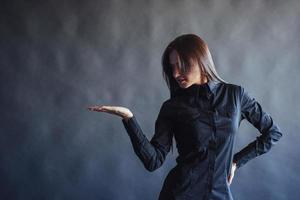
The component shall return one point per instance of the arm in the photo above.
(152, 153)
(270, 132)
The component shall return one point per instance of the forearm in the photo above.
(261, 145)
(150, 155)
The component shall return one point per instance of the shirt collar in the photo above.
(205, 89)
(212, 84)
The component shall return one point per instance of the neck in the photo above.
(202, 81)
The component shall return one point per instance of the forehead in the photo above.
(175, 59)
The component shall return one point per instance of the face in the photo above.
(184, 79)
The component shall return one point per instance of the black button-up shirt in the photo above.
(204, 120)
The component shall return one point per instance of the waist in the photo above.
(198, 153)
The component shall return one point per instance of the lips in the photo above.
(181, 80)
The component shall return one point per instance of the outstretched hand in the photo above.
(116, 110)
(231, 175)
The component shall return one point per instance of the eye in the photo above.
(173, 66)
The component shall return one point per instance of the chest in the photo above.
(195, 122)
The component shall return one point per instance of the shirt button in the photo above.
(209, 95)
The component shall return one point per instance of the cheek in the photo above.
(193, 77)
(188, 78)
(195, 73)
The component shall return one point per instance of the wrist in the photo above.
(127, 117)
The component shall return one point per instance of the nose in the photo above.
(176, 72)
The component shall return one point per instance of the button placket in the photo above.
(212, 154)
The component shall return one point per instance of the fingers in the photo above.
(99, 108)
(108, 109)
(116, 110)
(232, 171)
(229, 179)
(94, 108)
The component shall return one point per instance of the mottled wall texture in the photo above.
(58, 57)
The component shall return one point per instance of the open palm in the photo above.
(115, 110)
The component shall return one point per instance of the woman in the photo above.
(203, 114)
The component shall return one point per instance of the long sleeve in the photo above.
(270, 132)
(152, 153)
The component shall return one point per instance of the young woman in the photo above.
(203, 114)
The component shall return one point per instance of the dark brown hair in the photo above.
(190, 48)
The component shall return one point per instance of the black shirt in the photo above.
(204, 120)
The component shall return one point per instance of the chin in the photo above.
(184, 85)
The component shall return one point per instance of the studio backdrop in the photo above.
(58, 57)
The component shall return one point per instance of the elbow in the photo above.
(152, 160)
(276, 136)
(279, 134)
(150, 169)
(264, 144)
(153, 164)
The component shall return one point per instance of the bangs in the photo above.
(187, 60)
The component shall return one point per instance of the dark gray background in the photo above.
(58, 57)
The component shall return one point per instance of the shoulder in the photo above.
(168, 108)
(231, 88)
(166, 105)
(238, 91)
(241, 92)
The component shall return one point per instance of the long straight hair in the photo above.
(190, 48)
